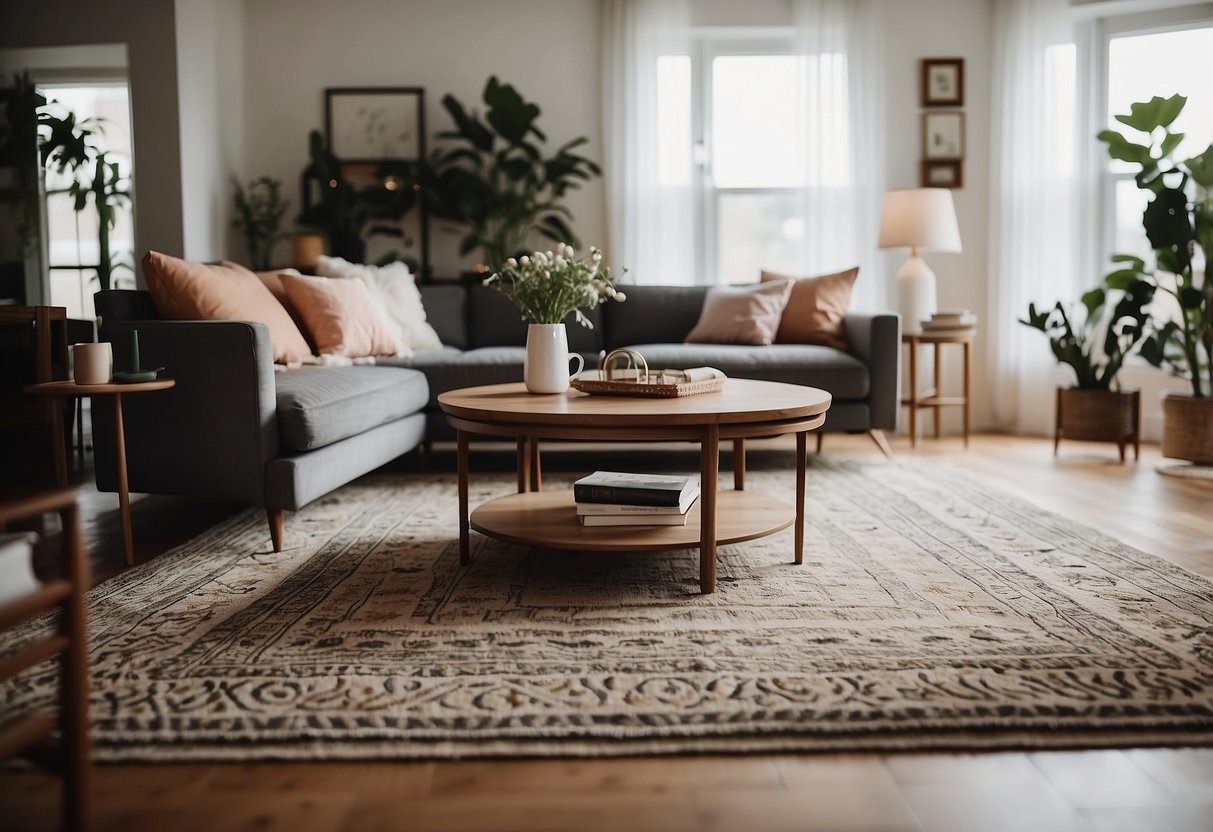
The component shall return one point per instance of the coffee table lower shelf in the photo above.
(548, 519)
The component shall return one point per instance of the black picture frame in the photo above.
(943, 82)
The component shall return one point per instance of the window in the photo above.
(1141, 65)
(72, 238)
(753, 125)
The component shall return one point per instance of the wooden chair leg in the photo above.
(881, 441)
(275, 518)
(820, 438)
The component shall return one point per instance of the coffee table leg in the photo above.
(739, 464)
(802, 439)
(536, 470)
(709, 468)
(465, 556)
(524, 465)
(124, 493)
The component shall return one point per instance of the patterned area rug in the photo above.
(931, 611)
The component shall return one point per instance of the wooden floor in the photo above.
(1152, 790)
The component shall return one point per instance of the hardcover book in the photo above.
(633, 489)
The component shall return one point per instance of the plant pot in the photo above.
(1187, 428)
(1099, 416)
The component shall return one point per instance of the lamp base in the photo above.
(915, 294)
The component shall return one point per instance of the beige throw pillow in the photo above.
(741, 315)
(341, 316)
(189, 291)
(816, 308)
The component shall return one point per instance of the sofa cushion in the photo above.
(452, 369)
(318, 406)
(841, 374)
(189, 291)
(741, 314)
(444, 309)
(653, 315)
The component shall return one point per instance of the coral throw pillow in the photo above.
(394, 290)
(741, 315)
(341, 316)
(815, 308)
(185, 290)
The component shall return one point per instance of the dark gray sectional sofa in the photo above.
(235, 429)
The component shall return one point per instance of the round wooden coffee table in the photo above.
(744, 409)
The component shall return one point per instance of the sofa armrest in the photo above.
(875, 339)
(211, 434)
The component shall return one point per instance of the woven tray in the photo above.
(643, 389)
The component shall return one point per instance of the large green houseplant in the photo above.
(1178, 220)
(259, 212)
(495, 180)
(1095, 350)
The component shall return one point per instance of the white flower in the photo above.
(512, 263)
(560, 261)
(525, 260)
(620, 296)
(568, 251)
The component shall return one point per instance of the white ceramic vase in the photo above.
(547, 359)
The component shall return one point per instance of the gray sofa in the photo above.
(235, 429)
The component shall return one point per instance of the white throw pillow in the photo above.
(394, 289)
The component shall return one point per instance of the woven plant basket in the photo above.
(1098, 416)
(1187, 428)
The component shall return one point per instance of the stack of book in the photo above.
(950, 322)
(608, 498)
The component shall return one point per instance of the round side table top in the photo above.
(741, 400)
(71, 388)
(939, 337)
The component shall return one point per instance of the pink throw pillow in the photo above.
(816, 309)
(189, 291)
(341, 316)
(741, 315)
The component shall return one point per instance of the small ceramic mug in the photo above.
(92, 363)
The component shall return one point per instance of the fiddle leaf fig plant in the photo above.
(1095, 363)
(1178, 220)
(495, 180)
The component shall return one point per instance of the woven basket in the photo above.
(1097, 415)
(1187, 428)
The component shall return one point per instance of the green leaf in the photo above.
(1201, 168)
(1126, 151)
(1166, 220)
(1148, 116)
(1121, 279)
(1191, 298)
(1137, 263)
(1092, 300)
(469, 126)
(510, 115)
(1169, 142)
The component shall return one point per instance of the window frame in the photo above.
(1173, 19)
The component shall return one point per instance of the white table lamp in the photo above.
(920, 219)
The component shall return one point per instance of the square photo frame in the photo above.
(943, 173)
(366, 125)
(943, 135)
(943, 82)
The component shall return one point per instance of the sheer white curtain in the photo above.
(841, 124)
(647, 138)
(1038, 177)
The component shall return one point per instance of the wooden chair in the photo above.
(37, 353)
(70, 641)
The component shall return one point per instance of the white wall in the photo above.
(210, 83)
(549, 49)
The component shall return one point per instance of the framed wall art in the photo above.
(943, 135)
(942, 173)
(375, 124)
(943, 82)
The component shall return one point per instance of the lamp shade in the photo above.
(920, 218)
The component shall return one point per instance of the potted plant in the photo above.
(495, 180)
(345, 213)
(1177, 220)
(547, 287)
(259, 212)
(1091, 409)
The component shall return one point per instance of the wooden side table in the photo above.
(933, 398)
(70, 388)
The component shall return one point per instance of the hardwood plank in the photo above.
(1185, 772)
(1192, 818)
(1100, 779)
(251, 811)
